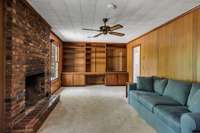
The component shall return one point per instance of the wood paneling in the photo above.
(149, 54)
(196, 46)
(2, 70)
(175, 49)
(56, 84)
(172, 50)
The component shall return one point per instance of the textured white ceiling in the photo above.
(68, 17)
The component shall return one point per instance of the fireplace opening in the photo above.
(35, 89)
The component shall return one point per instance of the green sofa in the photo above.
(169, 106)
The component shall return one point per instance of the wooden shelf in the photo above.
(73, 47)
(118, 56)
(74, 65)
(115, 72)
(72, 58)
(73, 51)
(95, 73)
(95, 46)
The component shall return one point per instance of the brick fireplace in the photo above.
(27, 66)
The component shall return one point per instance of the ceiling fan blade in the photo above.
(116, 27)
(116, 33)
(95, 35)
(90, 29)
(98, 35)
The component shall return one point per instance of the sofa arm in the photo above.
(190, 123)
(131, 86)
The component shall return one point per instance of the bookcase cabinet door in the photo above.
(116, 78)
(67, 80)
(111, 79)
(79, 79)
(122, 78)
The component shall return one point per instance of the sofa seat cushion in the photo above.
(136, 94)
(178, 90)
(171, 115)
(150, 101)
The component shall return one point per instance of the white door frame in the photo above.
(136, 56)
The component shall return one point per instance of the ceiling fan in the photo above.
(105, 29)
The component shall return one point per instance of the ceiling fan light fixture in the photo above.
(112, 6)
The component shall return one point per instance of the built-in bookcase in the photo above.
(116, 59)
(90, 63)
(116, 70)
(96, 57)
(73, 58)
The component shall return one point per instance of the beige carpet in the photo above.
(94, 109)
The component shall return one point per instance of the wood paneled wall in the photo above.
(2, 88)
(56, 84)
(172, 50)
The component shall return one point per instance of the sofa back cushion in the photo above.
(159, 85)
(178, 90)
(145, 83)
(193, 102)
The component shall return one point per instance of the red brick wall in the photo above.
(27, 50)
(2, 68)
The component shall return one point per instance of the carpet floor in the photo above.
(94, 109)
